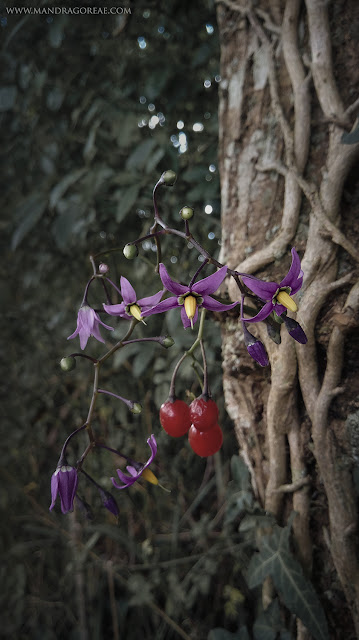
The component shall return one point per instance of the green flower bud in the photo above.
(186, 213)
(168, 178)
(130, 251)
(168, 342)
(68, 363)
(136, 408)
(274, 332)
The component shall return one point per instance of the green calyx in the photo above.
(68, 363)
(130, 251)
(136, 409)
(168, 342)
(186, 213)
(168, 178)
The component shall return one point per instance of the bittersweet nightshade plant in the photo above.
(131, 307)
(88, 322)
(136, 469)
(64, 483)
(192, 297)
(277, 296)
(205, 435)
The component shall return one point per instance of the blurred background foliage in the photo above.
(93, 109)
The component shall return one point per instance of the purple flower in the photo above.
(109, 502)
(88, 323)
(131, 307)
(295, 330)
(255, 348)
(136, 469)
(277, 296)
(191, 297)
(64, 482)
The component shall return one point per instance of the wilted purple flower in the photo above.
(277, 296)
(109, 502)
(64, 482)
(131, 307)
(136, 469)
(295, 330)
(88, 323)
(255, 348)
(191, 297)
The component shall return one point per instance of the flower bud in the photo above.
(136, 408)
(103, 268)
(68, 363)
(186, 213)
(255, 347)
(273, 332)
(168, 342)
(295, 330)
(168, 178)
(130, 251)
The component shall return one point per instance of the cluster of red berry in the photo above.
(199, 420)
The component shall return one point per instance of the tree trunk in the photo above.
(289, 80)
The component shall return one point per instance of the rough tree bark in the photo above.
(289, 90)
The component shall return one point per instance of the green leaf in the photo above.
(223, 634)
(29, 211)
(139, 157)
(67, 181)
(126, 201)
(276, 560)
(352, 137)
(240, 473)
(268, 623)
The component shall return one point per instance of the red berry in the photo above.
(204, 413)
(175, 418)
(205, 443)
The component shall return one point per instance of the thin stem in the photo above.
(205, 391)
(62, 455)
(119, 344)
(82, 355)
(129, 403)
(198, 271)
(172, 393)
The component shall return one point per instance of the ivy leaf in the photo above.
(29, 212)
(268, 623)
(352, 137)
(276, 560)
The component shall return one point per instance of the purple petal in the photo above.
(165, 305)
(127, 291)
(294, 277)
(185, 320)
(211, 283)
(173, 287)
(128, 482)
(96, 333)
(116, 309)
(258, 353)
(151, 441)
(84, 336)
(263, 313)
(54, 489)
(74, 334)
(98, 319)
(151, 301)
(214, 305)
(67, 486)
(279, 309)
(264, 290)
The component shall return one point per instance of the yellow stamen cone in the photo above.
(135, 311)
(149, 476)
(284, 298)
(190, 305)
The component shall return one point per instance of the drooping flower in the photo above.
(190, 298)
(88, 323)
(277, 296)
(64, 483)
(295, 330)
(131, 307)
(255, 348)
(109, 502)
(136, 469)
